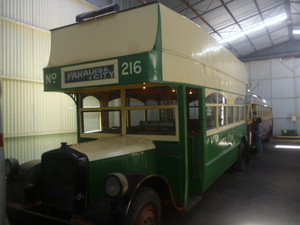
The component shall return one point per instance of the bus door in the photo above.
(195, 134)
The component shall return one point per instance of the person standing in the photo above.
(258, 131)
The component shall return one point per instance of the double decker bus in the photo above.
(258, 107)
(160, 115)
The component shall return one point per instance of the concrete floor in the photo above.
(267, 193)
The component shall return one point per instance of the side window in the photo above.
(239, 101)
(100, 113)
(230, 114)
(211, 115)
(221, 99)
(217, 111)
(91, 102)
(211, 110)
(212, 98)
(151, 111)
(222, 115)
(239, 111)
(222, 110)
(91, 119)
(242, 112)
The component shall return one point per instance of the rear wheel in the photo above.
(145, 208)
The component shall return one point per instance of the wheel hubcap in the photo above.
(147, 216)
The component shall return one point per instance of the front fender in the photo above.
(25, 186)
(156, 182)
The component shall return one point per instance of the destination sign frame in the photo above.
(84, 75)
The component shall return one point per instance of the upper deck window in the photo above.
(216, 98)
(151, 111)
(212, 98)
(151, 96)
(239, 101)
(91, 102)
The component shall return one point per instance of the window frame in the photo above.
(124, 109)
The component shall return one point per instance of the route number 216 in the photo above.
(131, 68)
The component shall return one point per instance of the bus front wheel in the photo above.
(145, 208)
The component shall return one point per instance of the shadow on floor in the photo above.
(267, 193)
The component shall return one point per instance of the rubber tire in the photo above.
(240, 164)
(145, 208)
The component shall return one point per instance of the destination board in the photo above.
(91, 74)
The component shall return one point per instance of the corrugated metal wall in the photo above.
(34, 121)
(278, 80)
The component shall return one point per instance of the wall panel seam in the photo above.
(21, 79)
(39, 134)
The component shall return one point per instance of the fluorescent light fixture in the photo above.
(288, 146)
(254, 28)
(296, 31)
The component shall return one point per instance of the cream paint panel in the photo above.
(112, 147)
(211, 78)
(183, 70)
(227, 95)
(181, 37)
(113, 35)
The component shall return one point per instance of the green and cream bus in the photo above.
(258, 107)
(160, 114)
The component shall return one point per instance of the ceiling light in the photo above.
(254, 28)
(296, 31)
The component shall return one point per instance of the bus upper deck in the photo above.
(146, 44)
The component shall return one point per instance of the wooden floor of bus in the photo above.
(267, 193)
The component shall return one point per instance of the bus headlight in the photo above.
(12, 167)
(115, 185)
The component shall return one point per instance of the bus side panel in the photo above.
(221, 153)
(141, 162)
(169, 161)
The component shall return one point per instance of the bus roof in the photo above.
(145, 44)
(256, 99)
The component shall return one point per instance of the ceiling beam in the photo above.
(210, 10)
(262, 18)
(237, 23)
(259, 36)
(248, 17)
(287, 5)
(287, 49)
(196, 3)
(208, 24)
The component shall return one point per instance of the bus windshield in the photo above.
(143, 111)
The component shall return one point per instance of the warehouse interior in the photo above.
(264, 35)
(270, 54)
